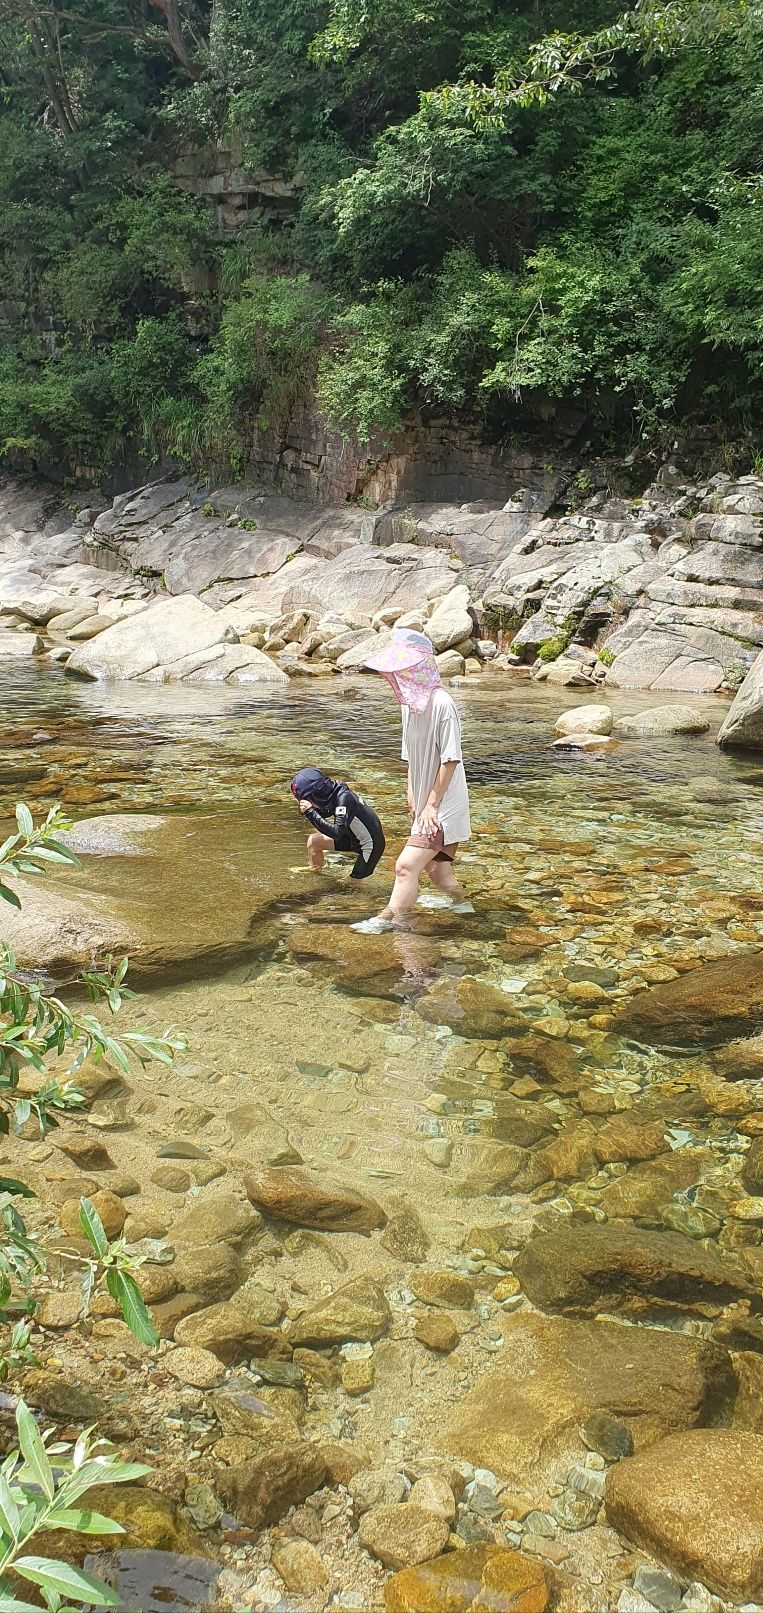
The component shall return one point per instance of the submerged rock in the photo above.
(261, 1491)
(358, 1312)
(708, 1005)
(231, 1333)
(581, 1270)
(695, 1501)
(470, 1007)
(403, 1534)
(307, 1201)
(477, 1579)
(443, 1288)
(524, 1417)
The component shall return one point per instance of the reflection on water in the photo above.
(593, 877)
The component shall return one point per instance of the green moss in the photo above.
(606, 656)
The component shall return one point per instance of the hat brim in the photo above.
(396, 658)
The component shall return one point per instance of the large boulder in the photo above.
(180, 638)
(743, 724)
(306, 1201)
(524, 1416)
(583, 1270)
(695, 1501)
(660, 721)
(170, 892)
(402, 577)
(451, 622)
(709, 1004)
(593, 718)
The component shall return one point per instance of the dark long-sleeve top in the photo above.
(356, 827)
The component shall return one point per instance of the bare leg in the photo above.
(317, 846)
(442, 875)
(409, 867)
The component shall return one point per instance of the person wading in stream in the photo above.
(438, 798)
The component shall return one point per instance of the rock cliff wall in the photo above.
(664, 591)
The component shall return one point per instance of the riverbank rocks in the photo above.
(582, 1270)
(173, 639)
(231, 1333)
(357, 1312)
(261, 1491)
(477, 1579)
(743, 725)
(524, 1417)
(709, 1004)
(306, 1201)
(660, 721)
(450, 623)
(403, 1534)
(695, 1501)
(470, 1007)
(592, 718)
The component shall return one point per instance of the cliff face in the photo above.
(663, 591)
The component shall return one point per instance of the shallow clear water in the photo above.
(592, 876)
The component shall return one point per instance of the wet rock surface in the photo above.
(551, 1376)
(696, 1501)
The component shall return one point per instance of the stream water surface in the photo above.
(593, 876)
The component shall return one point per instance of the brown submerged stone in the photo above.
(479, 1579)
(583, 1269)
(708, 1005)
(261, 1491)
(306, 1201)
(524, 1416)
(695, 1501)
(230, 1333)
(548, 1059)
(358, 1311)
(469, 1007)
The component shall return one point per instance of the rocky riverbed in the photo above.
(454, 1238)
(177, 582)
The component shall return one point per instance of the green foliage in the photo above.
(606, 656)
(497, 206)
(552, 648)
(42, 1485)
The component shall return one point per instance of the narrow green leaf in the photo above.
(83, 1523)
(33, 1450)
(9, 1512)
(8, 1604)
(8, 1184)
(124, 1289)
(24, 820)
(63, 851)
(8, 895)
(65, 1579)
(92, 1226)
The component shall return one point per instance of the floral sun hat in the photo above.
(410, 668)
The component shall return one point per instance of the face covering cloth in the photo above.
(408, 664)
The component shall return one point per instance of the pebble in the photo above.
(607, 1436)
(484, 1501)
(539, 1523)
(576, 1510)
(300, 1567)
(196, 1367)
(439, 1151)
(357, 1377)
(660, 1588)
